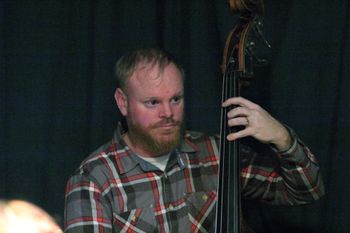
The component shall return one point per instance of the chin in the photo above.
(166, 139)
(168, 136)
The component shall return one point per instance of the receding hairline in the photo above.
(128, 64)
(151, 72)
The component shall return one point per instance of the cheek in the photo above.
(179, 112)
(142, 117)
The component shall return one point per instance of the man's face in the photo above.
(154, 109)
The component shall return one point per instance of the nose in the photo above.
(166, 111)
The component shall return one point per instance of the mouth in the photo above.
(168, 128)
(168, 125)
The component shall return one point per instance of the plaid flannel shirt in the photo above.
(116, 191)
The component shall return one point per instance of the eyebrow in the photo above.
(179, 94)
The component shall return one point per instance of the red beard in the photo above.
(157, 139)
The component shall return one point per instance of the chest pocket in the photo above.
(201, 211)
(140, 220)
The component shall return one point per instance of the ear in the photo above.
(121, 100)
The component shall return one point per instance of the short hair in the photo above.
(128, 63)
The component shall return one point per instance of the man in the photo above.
(153, 176)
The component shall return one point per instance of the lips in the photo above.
(167, 128)
(168, 125)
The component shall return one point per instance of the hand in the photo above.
(258, 124)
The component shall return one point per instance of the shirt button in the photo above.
(205, 197)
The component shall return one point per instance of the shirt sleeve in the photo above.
(290, 177)
(86, 210)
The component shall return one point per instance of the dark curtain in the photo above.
(57, 84)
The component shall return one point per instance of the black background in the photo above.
(57, 85)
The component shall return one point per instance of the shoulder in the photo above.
(98, 155)
(201, 142)
(197, 136)
(98, 164)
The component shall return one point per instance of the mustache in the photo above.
(165, 122)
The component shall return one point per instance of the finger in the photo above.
(238, 121)
(239, 134)
(239, 111)
(239, 101)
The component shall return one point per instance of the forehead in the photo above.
(151, 78)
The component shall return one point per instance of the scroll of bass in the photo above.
(238, 61)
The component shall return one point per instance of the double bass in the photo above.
(239, 59)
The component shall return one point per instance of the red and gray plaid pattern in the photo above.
(115, 191)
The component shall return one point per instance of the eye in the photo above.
(151, 103)
(176, 99)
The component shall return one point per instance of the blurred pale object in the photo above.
(18, 216)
